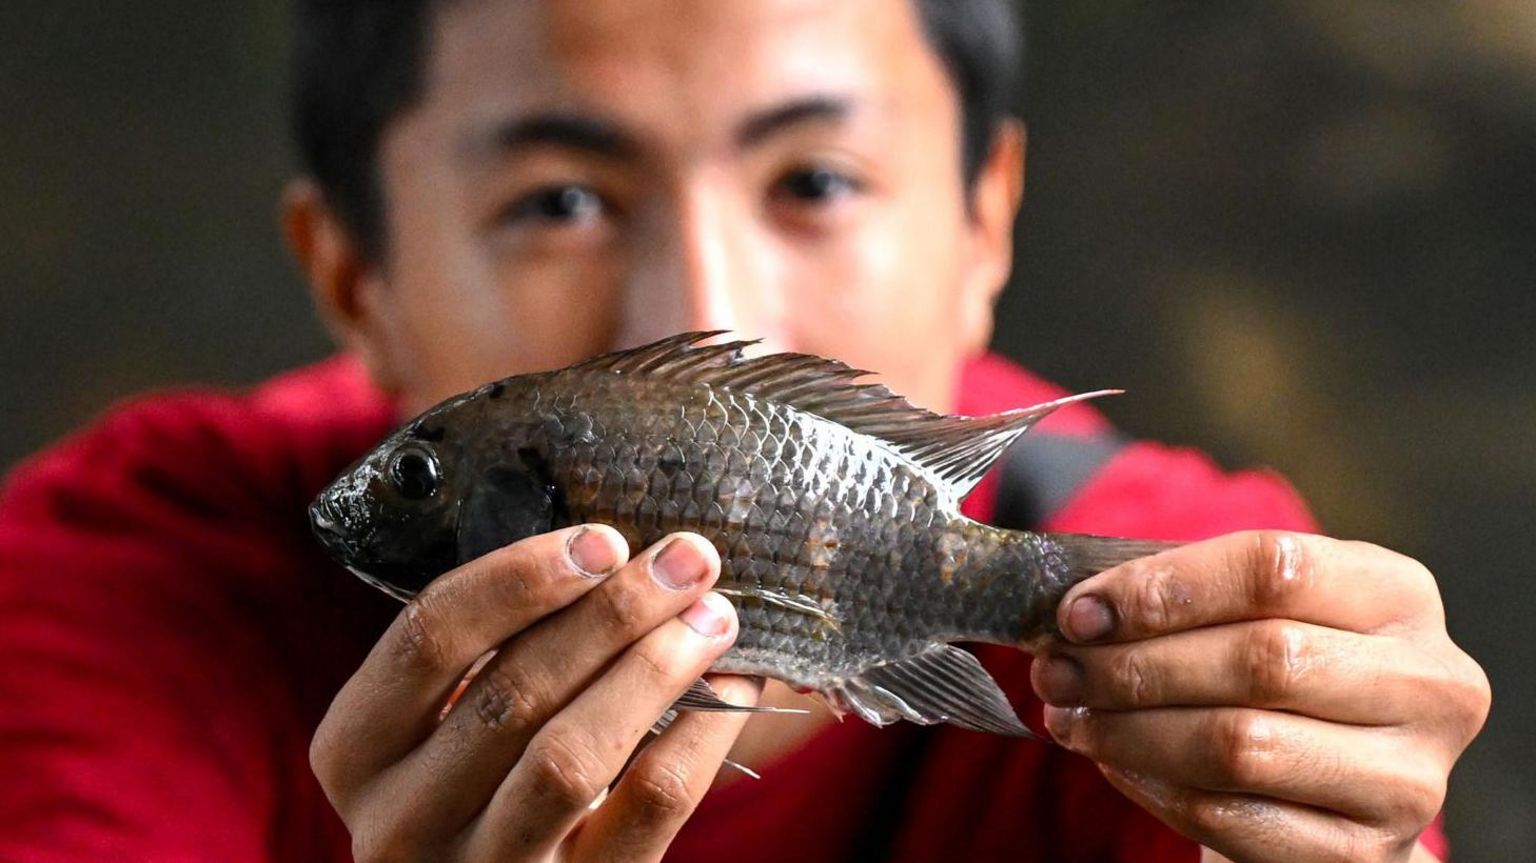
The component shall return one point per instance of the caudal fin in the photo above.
(1068, 559)
(1090, 555)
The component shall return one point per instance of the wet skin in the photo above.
(581, 176)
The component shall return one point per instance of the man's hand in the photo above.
(590, 650)
(1273, 696)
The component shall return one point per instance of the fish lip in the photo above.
(328, 523)
(323, 519)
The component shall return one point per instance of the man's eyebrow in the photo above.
(770, 121)
(571, 131)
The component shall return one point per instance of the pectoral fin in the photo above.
(941, 684)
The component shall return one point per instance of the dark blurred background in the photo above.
(1302, 233)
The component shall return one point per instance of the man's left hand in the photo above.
(1273, 696)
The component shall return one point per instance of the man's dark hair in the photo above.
(358, 64)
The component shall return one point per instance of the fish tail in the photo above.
(1069, 558)
(1015, 580)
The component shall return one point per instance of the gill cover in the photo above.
(508, 503)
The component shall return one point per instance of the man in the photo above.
(498, 186)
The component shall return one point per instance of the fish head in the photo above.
(390, 517)
(432, 496)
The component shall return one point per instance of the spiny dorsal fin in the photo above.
(958, 449)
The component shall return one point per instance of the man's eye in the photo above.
(815, 185)
(565, 203)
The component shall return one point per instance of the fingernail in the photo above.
(1059, 680)
(1088, 619)
(592, 552)
(679, 565)
(1061, 720)
(709, 616)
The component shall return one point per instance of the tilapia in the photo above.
(834, 506)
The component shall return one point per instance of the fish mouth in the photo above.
(329, 525)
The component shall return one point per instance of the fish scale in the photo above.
(834, 507)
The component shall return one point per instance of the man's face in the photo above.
(584, 175)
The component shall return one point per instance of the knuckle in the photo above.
(325, 761)
(1470, 696)
(618, 605)
(1413, 586)
(1417, 577)
(564, 771)
(506, 696)
(322, 756)
(1207, 815)
(1137, 679)
(421, 640)
(1245, 748)
(1275, 659)
(1282, 567)
(1160, 598)
(1415, 800)
(661, 794)
(1478, 698)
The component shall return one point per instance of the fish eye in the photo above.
(413, 471)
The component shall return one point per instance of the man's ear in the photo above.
(993, 206)
(344, 286)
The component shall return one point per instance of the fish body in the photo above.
(834, 507)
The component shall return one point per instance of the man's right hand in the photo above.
(591, 648)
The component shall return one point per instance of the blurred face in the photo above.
(584, 175)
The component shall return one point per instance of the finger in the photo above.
(538, 672)
(391, 703)
(1272, 664)
(1248, 576)
(578, 754)
(1244, 827)
(663, 785)
(1365, 774)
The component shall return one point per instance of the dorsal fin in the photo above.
(958, 449)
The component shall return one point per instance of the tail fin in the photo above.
(1090, 555)
(1077, 557)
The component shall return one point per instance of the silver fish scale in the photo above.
(837, 552)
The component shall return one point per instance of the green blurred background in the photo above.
(1302, 233)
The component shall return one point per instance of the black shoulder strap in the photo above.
(1042, 472)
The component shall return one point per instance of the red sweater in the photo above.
(171, 636)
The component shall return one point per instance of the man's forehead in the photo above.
(704, 65)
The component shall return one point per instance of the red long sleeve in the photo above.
(162, 658)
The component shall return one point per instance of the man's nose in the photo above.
(705, 270)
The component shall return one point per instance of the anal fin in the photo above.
(942, 684)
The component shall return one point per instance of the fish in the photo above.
(834, 505)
